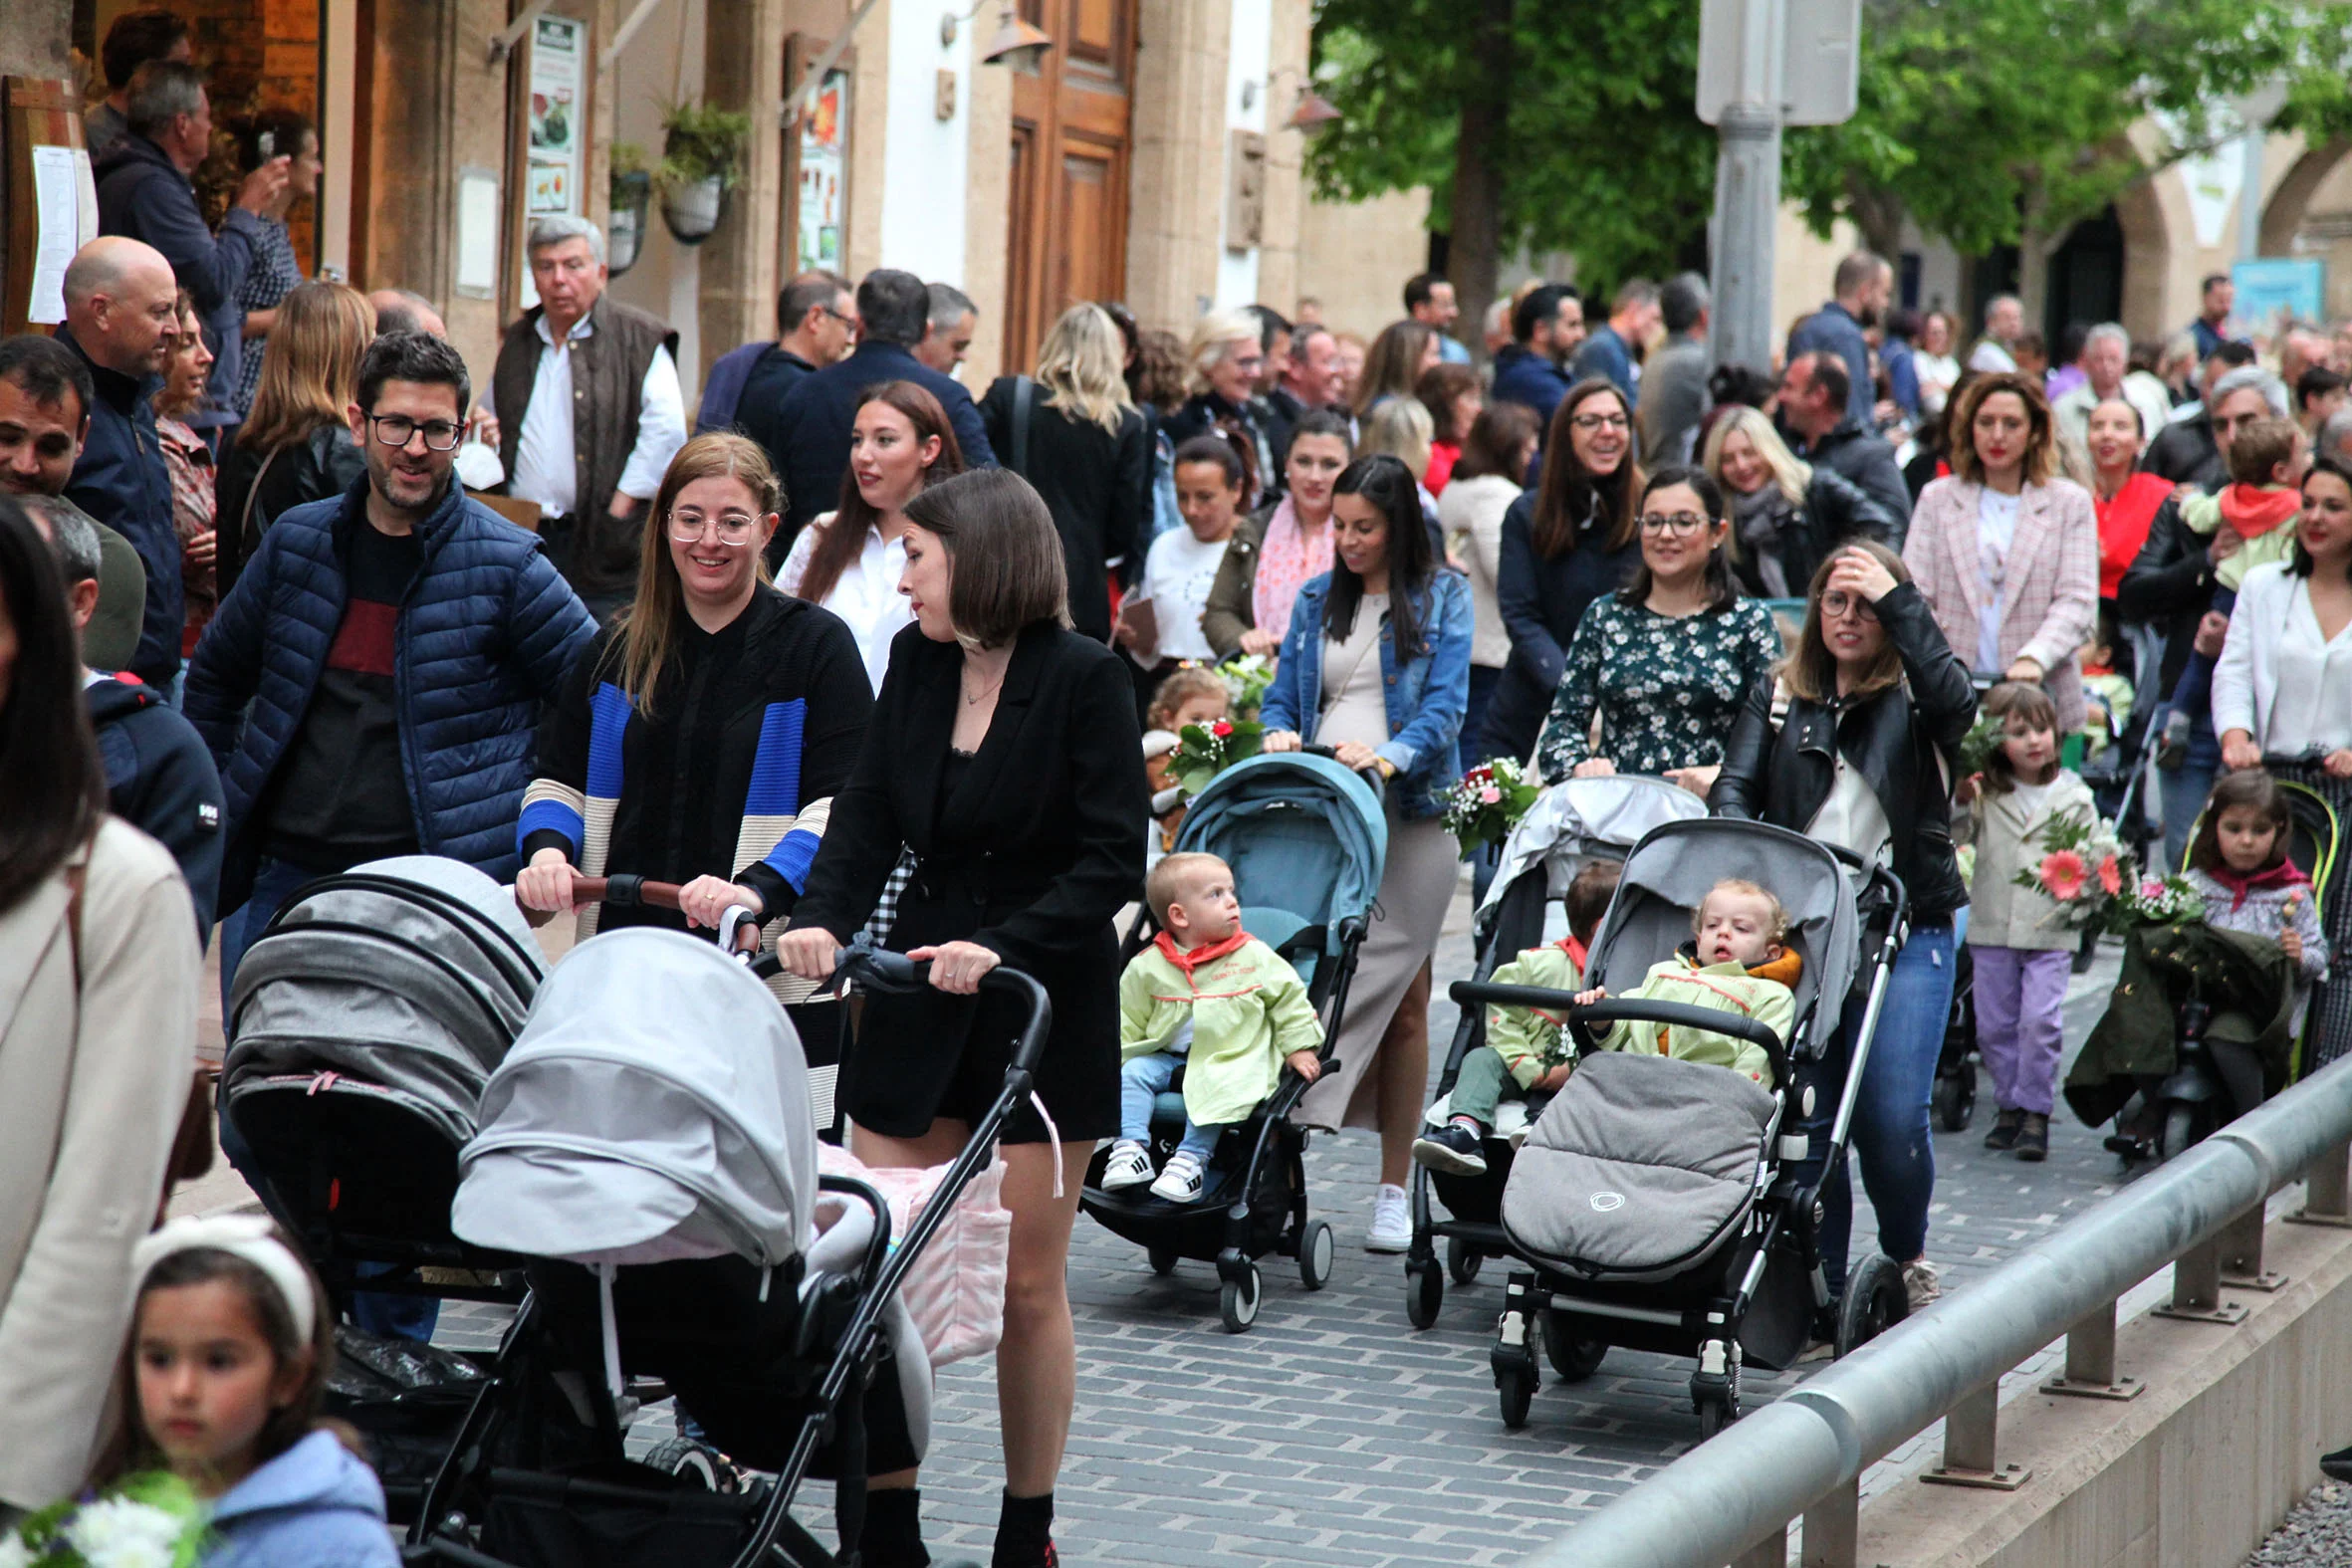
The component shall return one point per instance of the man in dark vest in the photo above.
(585, 398)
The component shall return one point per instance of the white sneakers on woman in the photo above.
(1392, 1222)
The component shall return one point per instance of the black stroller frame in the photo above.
(837, 1344)
(1577, 1320)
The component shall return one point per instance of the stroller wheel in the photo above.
(700, 1466)
(1875, 1301)
(1461, 1261)
(1717, 1412)
(1572, 1356)
(1955, 1098)
(1425, 1289)
(2180, 1131)
(1237, 1302)
(1162, 1259)
(1315, 1247)
(1516, 1384)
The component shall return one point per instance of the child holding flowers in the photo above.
(2237, 864)
(2019, 936)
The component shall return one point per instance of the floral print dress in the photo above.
(1667, 688)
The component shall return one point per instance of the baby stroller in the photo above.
(1574, 822)
(1657, 1201)
(650, 1146)
(1305, 839)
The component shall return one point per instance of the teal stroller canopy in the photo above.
(1303, 835)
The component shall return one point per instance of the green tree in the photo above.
(1989, 122)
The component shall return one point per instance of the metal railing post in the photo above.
(2090, 1361)
(1770, 1552)
(2197, 1287)
(2327, 1190)
(2241, 1253)
(1972, 1441)
(1833, 1529)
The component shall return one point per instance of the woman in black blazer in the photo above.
(1085, 449)
(1005, 754)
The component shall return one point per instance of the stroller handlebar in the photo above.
(1759, 1035)
(881, 970)
(637, 892)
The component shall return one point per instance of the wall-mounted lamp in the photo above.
(1312, 109)
(1015, 42)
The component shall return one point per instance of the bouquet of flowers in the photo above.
(1977, 747)
(1205, 751)
(2155, 901)
(1247, 675)
(2083, 870)
(1488, 803)
(154, 1520)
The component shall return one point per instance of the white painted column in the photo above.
(1248, 59)
(925, 160)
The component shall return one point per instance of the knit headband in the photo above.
(247, 1237)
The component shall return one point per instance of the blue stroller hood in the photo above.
(1303, 835)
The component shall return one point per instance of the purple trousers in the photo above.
(2020, 1026)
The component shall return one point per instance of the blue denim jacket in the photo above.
(1427, 696)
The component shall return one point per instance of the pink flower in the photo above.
(2152, 888)
(1220, 729)
(1490, 795)
(2111, 876)
(2063, 875)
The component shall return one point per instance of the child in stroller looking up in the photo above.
(1208, 999)
(1527, 1050)
(1736, 962)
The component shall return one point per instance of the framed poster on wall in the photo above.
(552, 176)
(816, 164)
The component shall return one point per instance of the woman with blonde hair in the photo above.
(1074, 433)
(296, 445)
(735, 712)
(1787, 516)
(1227, 353)
(1394, 364)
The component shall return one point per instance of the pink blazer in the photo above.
(2051, 578)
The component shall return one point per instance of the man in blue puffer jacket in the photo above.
(373, 685)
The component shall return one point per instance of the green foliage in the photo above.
(1980, 117)
(699, 141)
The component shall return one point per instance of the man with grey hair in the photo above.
(144, 192)
(406, 310)
(1862, 287)
(2106, 355)
(947, 333)
(586, 408)
(2004, 324)
(159, 774)
(2335, 437)
(1674, 382)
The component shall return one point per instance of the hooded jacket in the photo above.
(317, 1506)
(486, 633)
(161, 781)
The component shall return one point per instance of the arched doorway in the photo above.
(2085, 275)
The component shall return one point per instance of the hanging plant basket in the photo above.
(693, 210)
(633, 197)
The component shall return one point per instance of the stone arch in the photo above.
(2148, 227)
(2290, 199)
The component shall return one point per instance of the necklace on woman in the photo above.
(973, 699)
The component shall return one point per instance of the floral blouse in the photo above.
(274, 274)
(1667, 687)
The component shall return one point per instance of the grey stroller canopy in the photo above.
(1578, 818)
(655, 1108)
(413, 972)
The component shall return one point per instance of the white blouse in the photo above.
(2314, 710)
(865, 595)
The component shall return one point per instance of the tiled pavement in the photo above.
(1333, 1434)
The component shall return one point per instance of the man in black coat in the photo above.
(2188, 451)
(160, 776)
(1813, 400)
(809, 442)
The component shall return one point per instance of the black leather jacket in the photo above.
(1902, 741)
(1835, 511)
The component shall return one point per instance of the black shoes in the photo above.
(2033, 1139)
(1453, 1149)
(2006, 1127)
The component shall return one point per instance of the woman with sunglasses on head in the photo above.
(1853, 741)
(735, 712)
(1666, 660)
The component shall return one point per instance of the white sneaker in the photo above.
(1392, 1222)
(1180, 1180)
(1920, 1282)
(1130, 1164)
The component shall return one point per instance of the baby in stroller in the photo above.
(1528, 1051)
(1210, 1001)
(1737, 963)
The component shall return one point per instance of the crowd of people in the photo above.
(855, 649)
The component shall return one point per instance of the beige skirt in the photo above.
(1416, 887)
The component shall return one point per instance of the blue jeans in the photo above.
(1141, 1080)
(1890, 1126)
(274, 882)
(2186, 787)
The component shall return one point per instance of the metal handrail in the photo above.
(1733, 1498)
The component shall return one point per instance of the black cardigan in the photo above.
(1097, 485)
(1903, 741)
(1032, 855)
(2169, 586)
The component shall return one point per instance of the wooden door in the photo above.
(1067, 236)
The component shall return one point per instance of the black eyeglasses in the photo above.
(1836, 602)
(398, 429)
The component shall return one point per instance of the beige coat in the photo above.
(90, 1091)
